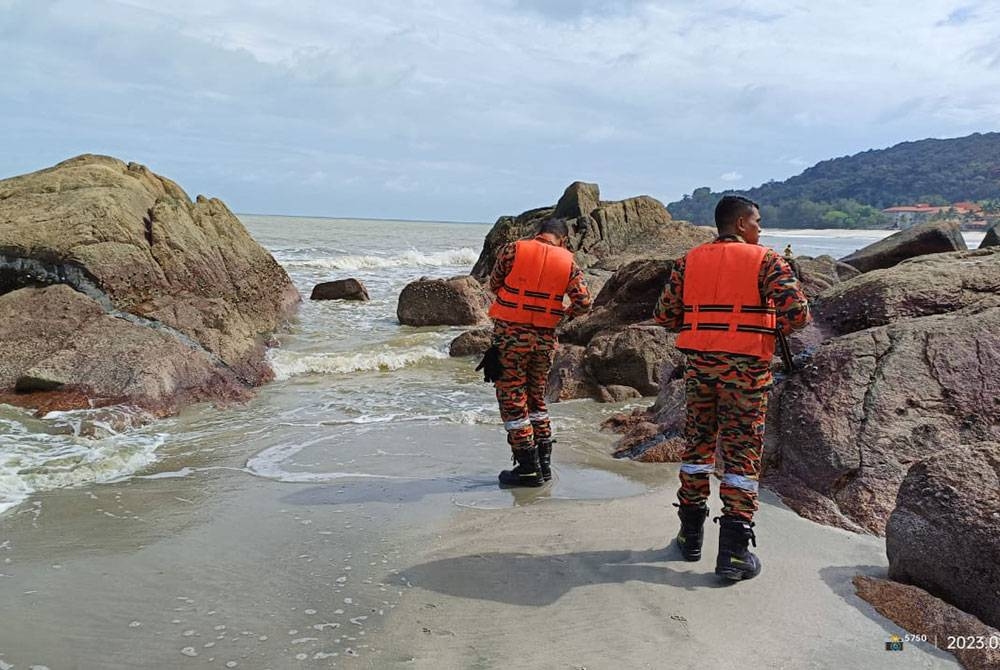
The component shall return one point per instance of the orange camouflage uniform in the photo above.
(727, 394)
(526, 354)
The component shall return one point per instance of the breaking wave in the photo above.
(288, 364)
(412, 258)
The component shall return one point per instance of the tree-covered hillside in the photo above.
(849, 192)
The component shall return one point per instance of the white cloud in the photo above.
(506, 99)
(731, 176)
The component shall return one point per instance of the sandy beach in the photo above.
(575, 584)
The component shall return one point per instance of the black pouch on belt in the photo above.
(490, 365)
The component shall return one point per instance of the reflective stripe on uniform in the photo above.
(697, 468)
(538, 416)
(740, 482)
(517, 424)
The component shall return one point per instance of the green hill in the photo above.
(849, 192)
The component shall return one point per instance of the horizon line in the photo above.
(360, 218)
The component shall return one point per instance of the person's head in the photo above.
(736, 215)
(555, 227)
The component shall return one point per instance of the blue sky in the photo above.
(467, 110)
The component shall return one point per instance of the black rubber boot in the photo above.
(544, 447)
(735, 561)
(692, 532)
(527, 471)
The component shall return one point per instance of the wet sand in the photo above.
(593, 585)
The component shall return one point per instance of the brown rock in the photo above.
(471, 343)
(931, 237)
(917, 287)
(944, 535)
(628, 297)
(340, 289)
(458, 301)
(135, 243)
(579, 199)
(617, 393)
(601, 233)
(920, 613)
(632, 357)
(872, 403)
(992, 238)
(103, 358)
(568, 378)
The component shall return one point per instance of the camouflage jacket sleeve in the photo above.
(778, 283)
(504, 264)
(579, 294)
(669, 310)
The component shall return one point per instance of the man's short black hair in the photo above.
(554, 226)
(730, 209)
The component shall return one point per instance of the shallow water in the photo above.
(271, 534)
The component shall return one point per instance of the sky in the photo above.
(469, 110)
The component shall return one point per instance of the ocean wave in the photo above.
(412, 258)
(287, 364)
(269, 465)
(71, 449)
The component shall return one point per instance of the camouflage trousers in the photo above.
(526, 355)
(727, 418)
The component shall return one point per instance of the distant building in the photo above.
(905, 216)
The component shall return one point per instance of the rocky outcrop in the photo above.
(628, 297)
(340, 289)
(602, 234)
(148, 257)
(921, 286)
(871, 403)
(568, 378)
(471, 343)
(458, 301)
(931, 237)
(632, 357)
(63, 341)
(992, 238)
(819, 274)
(944, 535)
(920, 613)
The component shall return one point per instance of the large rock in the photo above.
(871, 403)
(458, 301)
(340, 289)
(134, 243)
(628, 297)
(944, 535)
(471, 343)
(931, 237)
(819, 274)
(920, 286)
(992, 238)
(634, 356)
(61, 340)
(920, 613)
(603, 234)
(568, 378)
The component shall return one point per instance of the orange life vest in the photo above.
(533, 291)
(722, 301)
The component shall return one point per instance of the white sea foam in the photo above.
(70, 449)
(288, 364)
(269, 464)
(412, 258)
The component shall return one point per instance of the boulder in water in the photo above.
(458, 301)
(340, 289)
(992, 238)
(932, 237)
(471, 343)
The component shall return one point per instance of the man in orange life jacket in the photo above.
(727, 298)
(530, 278)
